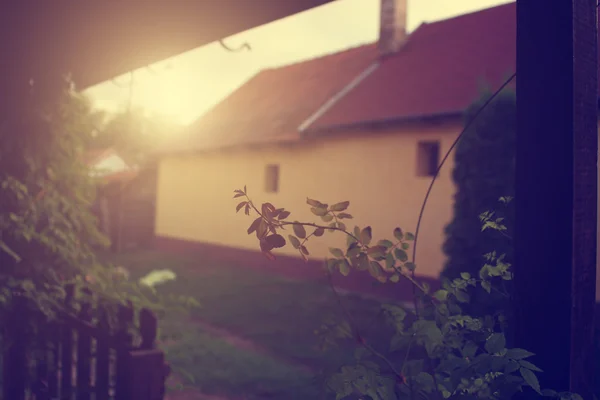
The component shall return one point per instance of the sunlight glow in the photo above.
(186, 86)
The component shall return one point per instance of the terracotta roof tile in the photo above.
(271, 106)
(440, 69)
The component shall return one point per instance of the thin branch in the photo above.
(437, 172)
(242, 47)
(286, 223)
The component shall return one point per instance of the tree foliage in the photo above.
(484, 170)
(134, 134)
(48, 233)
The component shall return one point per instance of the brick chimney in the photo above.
(392, 26)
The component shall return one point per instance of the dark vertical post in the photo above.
(84, 350)
(124, 344)
(103, 356)
(67, 350)
(555, 246)
(15, 356)
(54, 339)
(147, 370)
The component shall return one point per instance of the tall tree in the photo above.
(483, 172)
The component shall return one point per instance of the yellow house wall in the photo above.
(376, 172)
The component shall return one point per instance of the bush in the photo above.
(446, 353)
(483, 171)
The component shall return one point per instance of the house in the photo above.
(368, 125)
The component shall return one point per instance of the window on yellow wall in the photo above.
(428, 158)
(272, 178)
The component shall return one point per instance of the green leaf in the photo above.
(344, 268)
(332, 264)
(410, 237)
(304, 250)
(283, 215)
(254, 226)
(377, 252)
(528, 365)
(318, 211)
(344, 216)
(465, 275)
(341, 226)
(398, 234)
(375, 269)
(410, 266)
(531, 379)
(338, 253)
(314, 203)
(342, 206)
(240, 206)
(319, 232)
(400, 255)
(469, 350)
(353, 250)
(327, 218)
(549, 393)
(405, 246)
(299, 230)
(425, 381)
(389, 261)
(441, 295)
(495, 343)
(518, 354)
(366, 235)
(462, 296)
(294, 241)
(511, 367)
(275, 241)
(395, 278)
(487, 286)
(385, 243)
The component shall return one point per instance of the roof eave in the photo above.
(384, 123)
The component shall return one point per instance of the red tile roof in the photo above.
(271, 105)
(439, 70)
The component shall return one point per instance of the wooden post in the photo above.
(66, 345)
(124, 345)
(556, 189)
(15, 356)
(146, 365)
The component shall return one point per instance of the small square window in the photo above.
(428, 158)
(272, 178)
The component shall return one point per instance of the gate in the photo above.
(81, 355)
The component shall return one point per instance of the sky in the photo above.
(182, 88)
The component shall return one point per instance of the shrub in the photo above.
(483, 171)
(446, 353)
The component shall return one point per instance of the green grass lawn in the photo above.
(277, 314)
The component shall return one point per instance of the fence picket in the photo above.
(66, 344)
(72, 355)
(84, 359)
(53, 340)
(124, 344)
(15, 358)
(102, 380)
